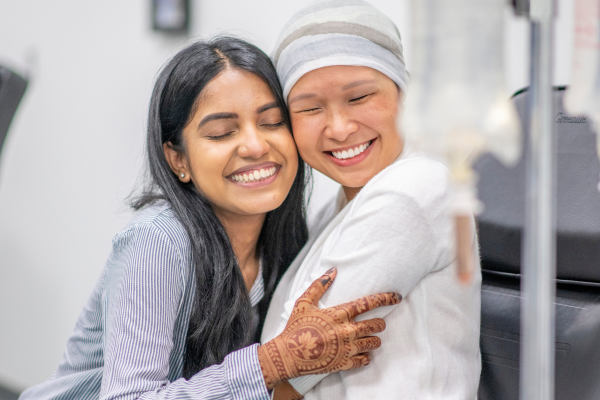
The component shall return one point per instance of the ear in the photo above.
(178, 162)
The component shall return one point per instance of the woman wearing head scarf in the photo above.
(344, 79)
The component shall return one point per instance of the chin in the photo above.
(263, 205)
(354, 181)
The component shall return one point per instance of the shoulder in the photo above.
(414, 180)
(323, 216)
(154, 228)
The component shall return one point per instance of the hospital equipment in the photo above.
(457, 107)
(455, 113)
(12, 88)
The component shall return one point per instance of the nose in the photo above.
(339, 125)
(253, 144)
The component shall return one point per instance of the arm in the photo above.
(145, 299)
(388, 241)
(142, 306)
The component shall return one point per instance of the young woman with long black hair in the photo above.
(187, 285)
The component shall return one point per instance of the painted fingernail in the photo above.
(397, 297)
(325, 281)
(330, 270)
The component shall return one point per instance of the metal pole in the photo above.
(539, 263)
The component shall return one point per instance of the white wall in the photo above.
(75, 147)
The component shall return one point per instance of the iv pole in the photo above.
(539, 261)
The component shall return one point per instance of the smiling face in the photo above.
(344, 121)
(238, 151)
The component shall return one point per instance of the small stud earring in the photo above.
(182, 175)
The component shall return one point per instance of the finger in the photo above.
(368, 303)
(316, 290)
(357, 361)
(366, 344)
(369, 327)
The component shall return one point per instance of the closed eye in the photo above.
(309, 110)
(360, 98)
(220, 137)
(277, 125)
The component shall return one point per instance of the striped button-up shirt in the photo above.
(129, 341)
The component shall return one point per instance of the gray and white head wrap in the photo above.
(338, 32)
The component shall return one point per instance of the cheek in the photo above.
(306, 134)
(286, 146)
(208, 164)
(381, 117)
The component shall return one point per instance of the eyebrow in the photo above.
(266, 107)
(357, 83)
(212, 117)
(301, 97)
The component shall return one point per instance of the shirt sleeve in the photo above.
(394, 235)
(143, 300)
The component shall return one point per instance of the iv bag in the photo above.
(583, 96)
(457, 106)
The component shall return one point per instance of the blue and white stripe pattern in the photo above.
(129, 340)
(338, 32)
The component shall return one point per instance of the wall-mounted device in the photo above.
(12, 88)
(171, 16)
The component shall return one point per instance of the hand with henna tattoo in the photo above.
(320, 341)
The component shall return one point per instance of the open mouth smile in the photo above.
(255, 175)
(345, 154)
(351, 155)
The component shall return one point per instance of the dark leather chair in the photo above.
(500, 227)
(12, 88)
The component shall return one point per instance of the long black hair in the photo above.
(221, 320)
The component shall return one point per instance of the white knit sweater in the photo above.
(396, 235)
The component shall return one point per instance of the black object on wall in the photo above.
(12, 88)
(171, 16)
(502, 190)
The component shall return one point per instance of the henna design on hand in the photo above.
(320, 341)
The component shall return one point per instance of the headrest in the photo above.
(12, 88)
(502, 191)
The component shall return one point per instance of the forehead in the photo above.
(234, 88)
(336, 75)
(336, 80)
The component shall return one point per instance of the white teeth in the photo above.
(344, 154)
(254, 175)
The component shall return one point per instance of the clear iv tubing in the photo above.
(457, 107)
(583, 96)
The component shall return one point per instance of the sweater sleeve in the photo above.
(143, 299)
(396, 233)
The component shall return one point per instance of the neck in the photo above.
(351, 192)
(243, 232)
